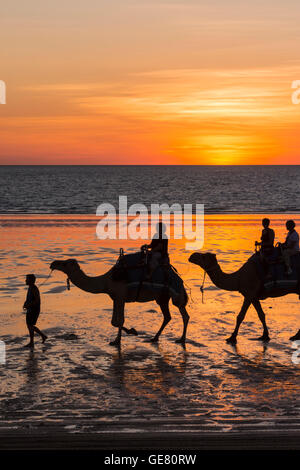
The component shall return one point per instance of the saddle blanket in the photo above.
(273, 271)
(164, 277)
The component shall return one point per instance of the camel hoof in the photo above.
(263, 338)
(154, 340)
(231, 340)
(133, 331)
(180, 341)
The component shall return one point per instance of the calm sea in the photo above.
(80, 189)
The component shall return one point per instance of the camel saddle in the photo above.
(133, 269)
(272, 270)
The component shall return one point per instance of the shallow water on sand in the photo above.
(78, 382)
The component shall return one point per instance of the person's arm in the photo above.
(261, 238)
(26, 303)
(150, 245)
(156, 244)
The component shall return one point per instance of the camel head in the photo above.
(206, 261)
(66, 266)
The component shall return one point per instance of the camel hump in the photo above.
(136, 262)
(133, 269)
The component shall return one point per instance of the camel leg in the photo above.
(118, 320)
(262, 317)
(185, 318)
(167, 317)
(239, 319)
(117, 341)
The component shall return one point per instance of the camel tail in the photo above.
(186, 297)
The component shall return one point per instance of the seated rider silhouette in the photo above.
(159, 249)
(267, 239)
(291, 245)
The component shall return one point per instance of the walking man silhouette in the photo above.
(32, 306)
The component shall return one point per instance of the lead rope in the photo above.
(40, 285)
(202, 287)
(48, 277)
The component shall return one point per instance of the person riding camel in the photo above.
(267, 239)
(159, 249)
(291, 245)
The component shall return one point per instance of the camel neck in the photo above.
(94, 285)
(224, 281)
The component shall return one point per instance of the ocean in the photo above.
(80, 189)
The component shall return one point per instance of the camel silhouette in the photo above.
(120, 294)
(246, 281)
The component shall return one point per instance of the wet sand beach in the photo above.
(77, 391)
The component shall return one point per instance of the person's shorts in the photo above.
(31, 317)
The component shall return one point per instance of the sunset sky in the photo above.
(149, 82)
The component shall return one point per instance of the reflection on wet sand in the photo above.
(148, 374)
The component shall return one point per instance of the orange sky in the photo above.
(161, 81)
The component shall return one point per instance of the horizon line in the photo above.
(149, 164)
